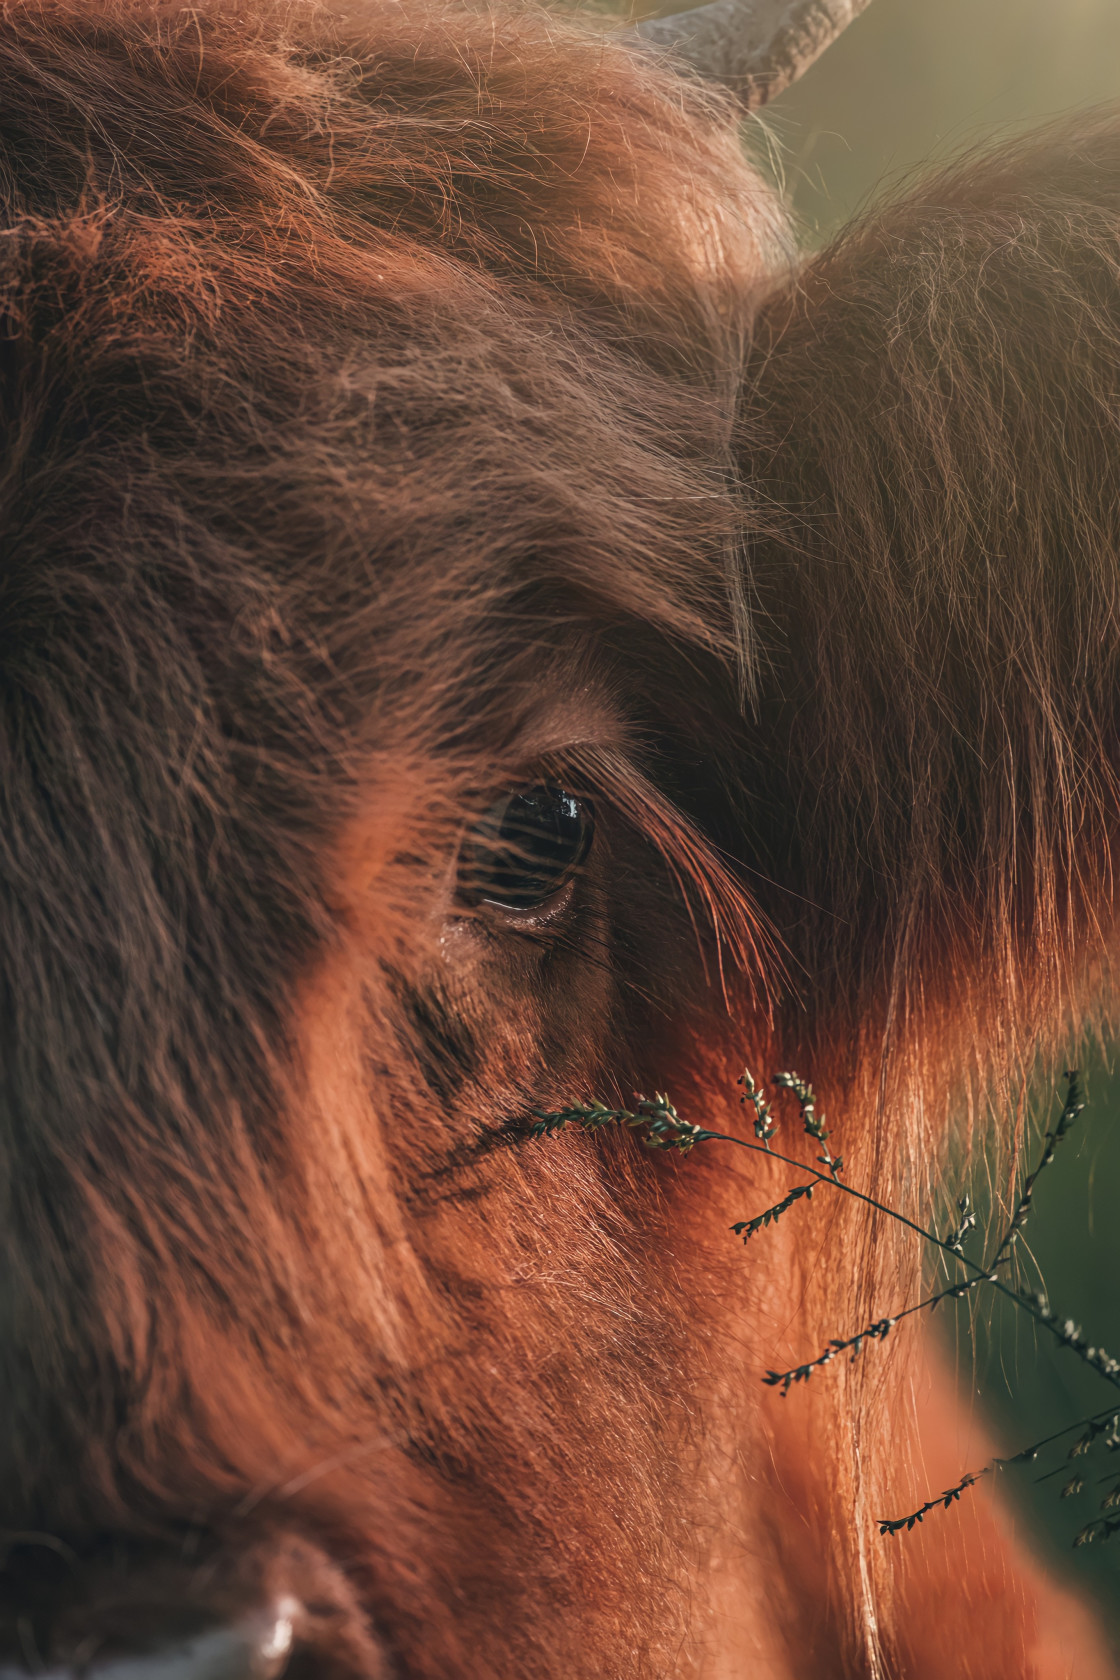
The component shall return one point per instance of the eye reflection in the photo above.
(526, 847)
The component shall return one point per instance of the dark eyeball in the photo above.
(526, 847)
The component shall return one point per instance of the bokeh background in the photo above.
(912, 82)
(915, 80)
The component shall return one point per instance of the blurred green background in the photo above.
(913, 81)
(1026, 1384)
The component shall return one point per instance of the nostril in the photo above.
(255, 1648)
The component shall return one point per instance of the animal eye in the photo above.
(526, 847)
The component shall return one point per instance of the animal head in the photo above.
(436, 683)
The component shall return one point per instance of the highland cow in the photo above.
(484, 623)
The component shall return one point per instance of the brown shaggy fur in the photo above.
(388, 419)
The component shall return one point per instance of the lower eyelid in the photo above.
(540, 915)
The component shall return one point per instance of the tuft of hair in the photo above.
(928, 428)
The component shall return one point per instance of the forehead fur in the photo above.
(333, 345)
(351, 363)
(355, 332)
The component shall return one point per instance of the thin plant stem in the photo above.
(1099, 1421)
(665, 1129)
(875, 1331)
(670, 1131)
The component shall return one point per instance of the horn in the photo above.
(754, 47)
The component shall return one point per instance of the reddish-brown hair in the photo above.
(381, 417)
(367, 385)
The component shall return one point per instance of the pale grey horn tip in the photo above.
(754, 47)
